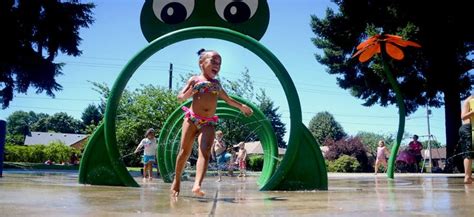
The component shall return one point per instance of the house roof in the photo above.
(46, 138)
(256, 148)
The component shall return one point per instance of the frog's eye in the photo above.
(236, 11)
(173, 11)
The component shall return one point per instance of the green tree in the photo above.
(42, 124)
(242, 87)
(370, 141)
(61, 122)
(323, 126)
(268, 108)
(138, 110)
(19, 123)
(434, 144)
(436, 76)
(58, 152)
(34, 32)
(91, 115)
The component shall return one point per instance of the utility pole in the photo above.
(428, 113)
(171, 76)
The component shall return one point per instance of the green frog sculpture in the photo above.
(243, 22)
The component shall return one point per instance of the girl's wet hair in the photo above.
(201, 52)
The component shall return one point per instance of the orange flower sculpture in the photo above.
(372, 46)
(391, 45)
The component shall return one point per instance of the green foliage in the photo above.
(234, 130)
(351, 146)
(242, 87)
(55, 151)
(91, 115)
(268, 108)
(19, 122)
(344, 164)
(434, 144)
(16, 139)
(255, 162)
(341, 31)
(371, 140)
(436, 75)
(37, 32)
(61, 122)
(138, 110)
(323, 126)
(41, 123)
(16, 153)
(37, 154)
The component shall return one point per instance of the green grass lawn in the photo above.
(38, 166)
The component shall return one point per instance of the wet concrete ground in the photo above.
(59, 194)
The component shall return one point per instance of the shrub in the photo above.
(344, 164)
(255, 163)
(16, 153)
(55, 151)
(351, 146)
(58, 152)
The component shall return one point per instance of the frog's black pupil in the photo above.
(178, 14)
(242, 12)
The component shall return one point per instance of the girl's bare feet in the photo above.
(467, 180)
(197, 191)
(174, 189)
(174, 193)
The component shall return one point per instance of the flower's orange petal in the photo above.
(413, 44)
(369, 52)
(358, 52)
(367, 42)
(403, 43)
(399, 42)
(396, 37)
(394, 51)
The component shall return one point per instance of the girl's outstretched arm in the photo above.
(242, 107)
(139, 147)
(187, 90)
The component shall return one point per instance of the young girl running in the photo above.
(200, 118)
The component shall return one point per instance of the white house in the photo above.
(44, 138)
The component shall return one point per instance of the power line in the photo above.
(44, 108)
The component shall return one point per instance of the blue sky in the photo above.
(116, 37)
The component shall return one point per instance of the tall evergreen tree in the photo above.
(33, 33)
(91, 115)
(323, 126)
(268, 108)
(437, 75)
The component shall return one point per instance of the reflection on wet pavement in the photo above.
(47, 194)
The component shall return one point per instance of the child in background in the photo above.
(382, 152)
(219, 153)
(465, 138)
(241, 157)
(149, 152)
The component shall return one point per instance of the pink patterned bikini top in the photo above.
(204, 86)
